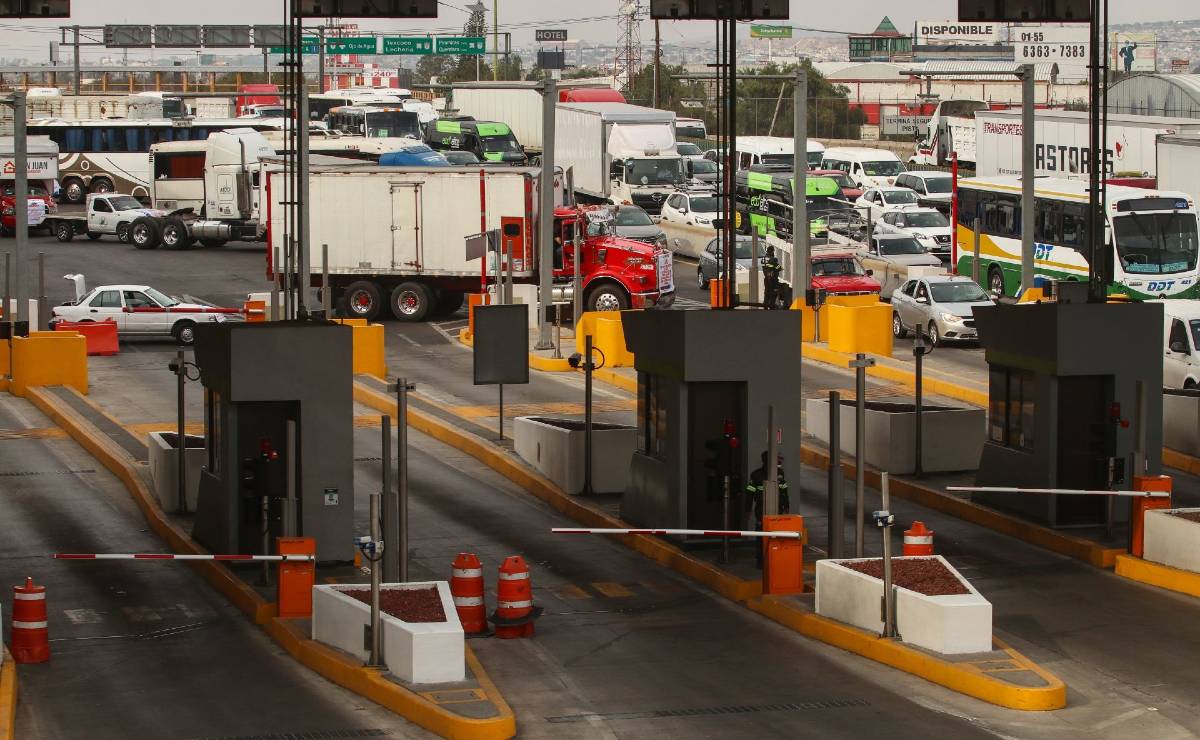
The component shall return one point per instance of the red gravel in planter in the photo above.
(406, 604)
(1191, 516)
(924, 575)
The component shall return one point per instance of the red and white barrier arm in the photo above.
(172, 556)
(203, 309)
(693, 532)
(1058, 491)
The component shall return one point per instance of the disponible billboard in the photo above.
(1134, 51)
(940, 33)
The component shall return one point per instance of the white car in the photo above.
(688, 150)
(931, 187)
(877, 201)
(688, 220)
(139, 310)
(927, 225)
(1181, 344)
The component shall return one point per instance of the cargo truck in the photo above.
(951, 130)
(519, 104)
(620, 153)
(1178, 165)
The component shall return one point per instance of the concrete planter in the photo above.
(420, 652)
(1172, 540)
(164, 464)
(1181, 421)
(954, 437)
(958, 623)
(556, 448)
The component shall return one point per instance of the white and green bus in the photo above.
(1153, 233)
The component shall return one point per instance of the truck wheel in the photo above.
(123, 233)
(101, 185)
(363, 300)
(64, 231)
(184, 332)
(175, 234)
(411, 301)
(213, 242)
(73, 190)
(449, 302)
(143, 232)
(607, 298)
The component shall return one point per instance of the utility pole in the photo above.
(495, 39)
(800, 236)
(321, 57)
(21, 205)
(546, 215)
(75, 59)
(1027, 177)
(657, 64)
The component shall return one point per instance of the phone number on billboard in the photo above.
(1054, 51)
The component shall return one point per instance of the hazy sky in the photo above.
(591, 20)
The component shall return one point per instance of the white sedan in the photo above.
(877, 201)
(927, 225)
(140, 310)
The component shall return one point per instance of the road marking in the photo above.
(612, 590)
(83, 616)
(196, 612)
(571, 591)
(408, 339)
(141, 614)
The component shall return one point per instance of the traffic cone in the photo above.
(30, 637)
(918, 540)
(515, 611)
(466, 587)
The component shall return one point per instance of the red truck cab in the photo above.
(257, 93)
(839, 273)
(8, 203)
(591, 95)
(616, 273)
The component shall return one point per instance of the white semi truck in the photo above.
(1179, 163)
(951, 131)
(620, 153)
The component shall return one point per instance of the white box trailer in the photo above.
(1179, 163)
(1061, 143)
(519, 107)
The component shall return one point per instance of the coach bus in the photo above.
(1153, 234)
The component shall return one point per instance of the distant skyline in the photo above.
(593, 21)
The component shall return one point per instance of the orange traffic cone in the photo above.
(466, 587)
(918, 540)
(515, 611)
(30, 637)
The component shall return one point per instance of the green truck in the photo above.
(488, 140)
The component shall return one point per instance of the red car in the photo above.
(850, 191)
(840, 274)
(8, 202)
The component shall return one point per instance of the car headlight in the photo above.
(951, 318)
(923, 237)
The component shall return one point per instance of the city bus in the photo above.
(375, 121)
(1155, 236)
(763, 201)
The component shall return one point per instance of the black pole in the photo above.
(836, 509)
(1098, 260)
(588, 366)
(181, 442)
(918, 355)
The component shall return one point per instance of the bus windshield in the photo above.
(1156, 243)
(392, 123)
(885, 168)
(654, 171)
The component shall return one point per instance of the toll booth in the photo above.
(278, 405)
(1066, 381)
(698, 370)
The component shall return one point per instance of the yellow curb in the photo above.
(749, 593)
(328, 663)
(537, 362)
(8, 697)
(963, 678)
(896, 375)
(614, 378)
(1156, 574)
(1180, 461)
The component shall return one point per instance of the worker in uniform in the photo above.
(771, 269)
(754, 496)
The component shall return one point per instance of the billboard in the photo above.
(1066, 44)
(1134, 51)
(759, 31)
(939, 33)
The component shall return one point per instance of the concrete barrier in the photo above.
(608, 335)
(950, 625)
(860, 328)
(1172, 540)
(555, 447)
(368, 343)
(46, 358)
(164, 469)
(1181, 421)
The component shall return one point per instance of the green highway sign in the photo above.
(407, 45)
(351, 45)
(310, 47)
(460, 45)
(770, 32)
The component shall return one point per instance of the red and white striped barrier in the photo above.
(1058, 491)
(172, 556)
(693, 532)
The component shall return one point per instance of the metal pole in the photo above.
(302, 190)
(402, 472)
(1027, 176)
(275, 287)
(801, 261)
(889, 596)
(391, 506)
(181, 441)
(836, 513)
(43, 314)
(376, 657)
(1097, 259)
(771, 489)
(577, 257)
(321, 57)
(546, 214)
(919, 356)
(508, 270)
(266, 63)
(291, 494)
(21, 188)
(326, 298)
(975, 225)
(588, 366)
(495, 39)
(500, 422)
(860, 447)
(657, 63)
(753, 265)
(75, 61)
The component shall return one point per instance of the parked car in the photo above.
(626, 221)
(850, 190)
(703, 170)
(927, 225)
(460, 158)
(932, 187)
(891, 257)
(1181, 344)
(839, 273)
(710, 259)
(140, 310)
(876, 201)
(942, 306)
(689, 150)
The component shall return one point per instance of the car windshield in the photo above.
(504, 144)
(929, 220)
(938, 184)
(885, 168)
(687, 150)
(706, 204)
(742, 251)
(159, 298)
(124, 203)
(838, 266)
(703, 167)
(393, 123)
(1156, 243)
(900, 246)
(842, 179)
(654, 171)
(632, 216)
(461, 158)
(899, 197)
(961, 292)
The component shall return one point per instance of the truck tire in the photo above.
(996, 279)
(123, 233)
(144, 233)
(64, 231)
(607, 297)
(73, 190)
(101, 185)
(175, 234)
(184, 332)
(363, 300)
(449, 302)
(412, 301)
(213, 242)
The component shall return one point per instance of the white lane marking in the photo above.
(195, 612)
(83, 616)
(141, 614)
(410, 340)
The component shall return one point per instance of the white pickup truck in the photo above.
(108, 214)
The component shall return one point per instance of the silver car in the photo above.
(941, 306)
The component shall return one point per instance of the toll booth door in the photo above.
(406, 226)
(262, 467)
(709, 405)
(1086, 441)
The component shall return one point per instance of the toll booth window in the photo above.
(1012, 408)
(652, 417)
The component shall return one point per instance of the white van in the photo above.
(868, 168)
(772, 151)
(1181, 344)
